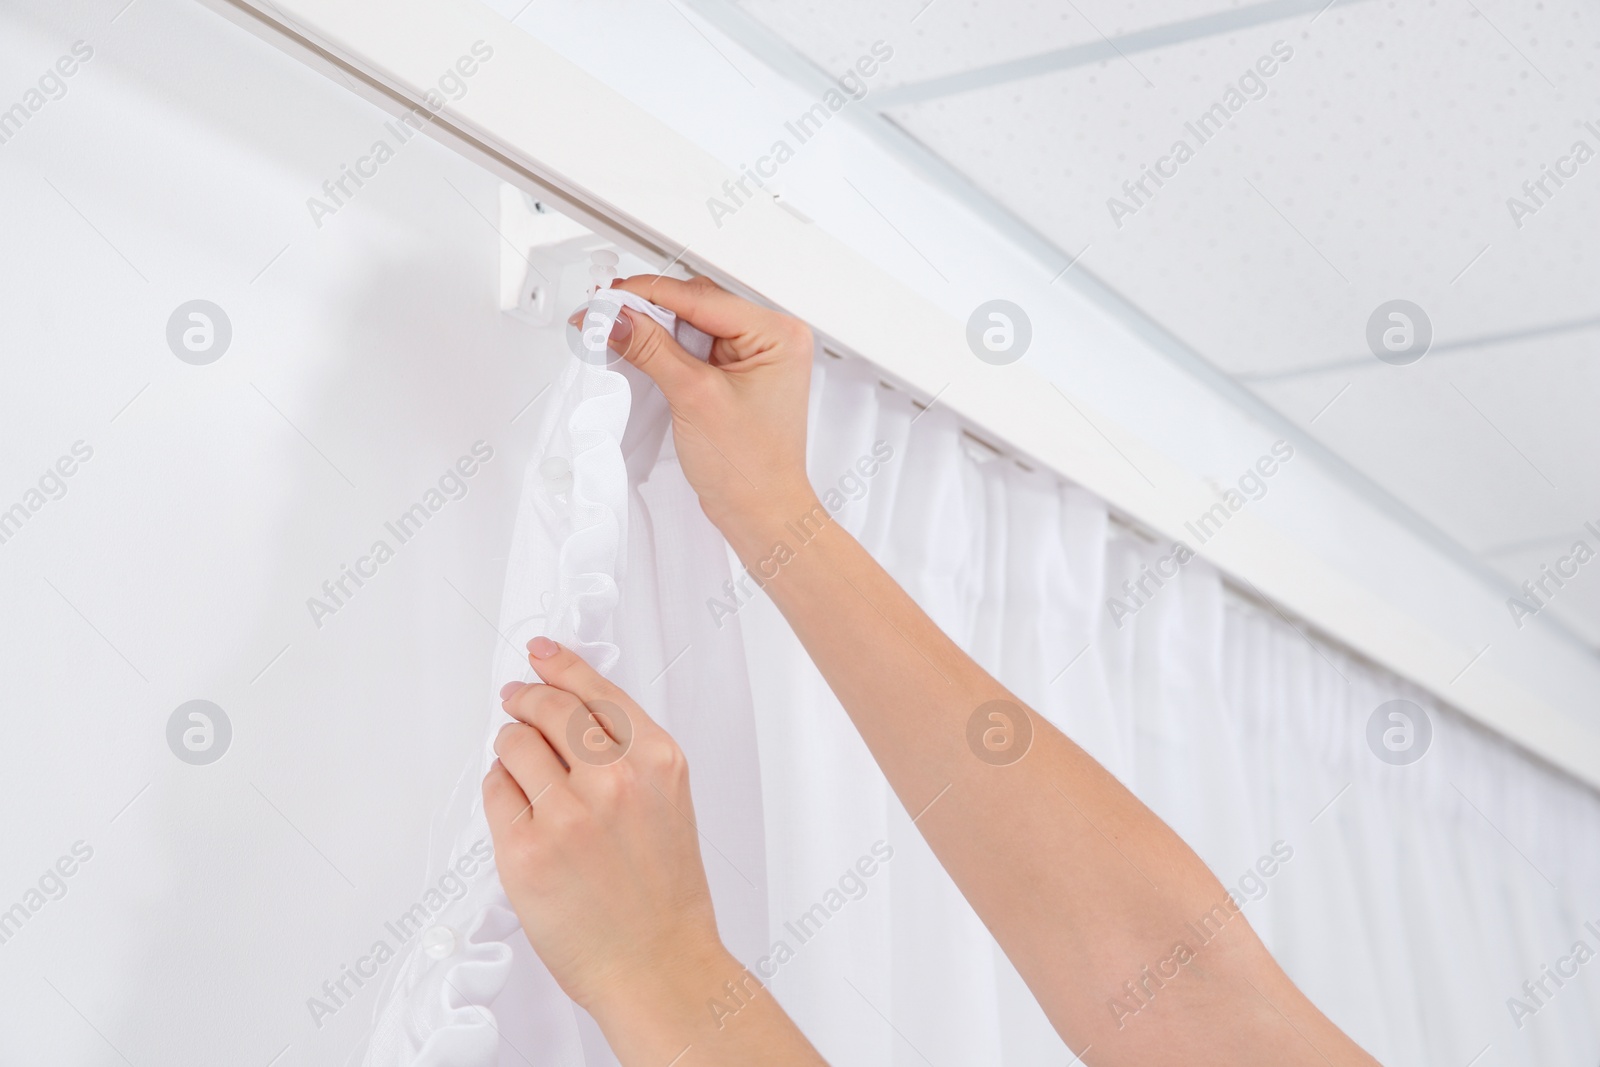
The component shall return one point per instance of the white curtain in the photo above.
(610, 556)
(1410, 902)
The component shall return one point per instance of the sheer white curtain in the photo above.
(611, 556)
(1410, 902)
(1415, 900)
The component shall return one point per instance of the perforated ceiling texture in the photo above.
(1262, 179)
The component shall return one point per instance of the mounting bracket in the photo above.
(540, 245)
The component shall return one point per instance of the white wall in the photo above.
(365, 359)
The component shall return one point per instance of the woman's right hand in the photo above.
(739, 421)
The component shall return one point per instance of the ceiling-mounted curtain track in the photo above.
(495, 126)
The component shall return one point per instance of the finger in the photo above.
(559, 666)
(524, 752)
(595, 734)
(699, 301)
(549, 710)
(564, 669)
(643, 343)
(504, 802)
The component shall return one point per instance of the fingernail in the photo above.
(576, 319)
(509, 689)
(501, 736)
(621, 331)
(543, 648)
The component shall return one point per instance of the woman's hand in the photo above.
(595, 839)
(739, 422)
(594, 836)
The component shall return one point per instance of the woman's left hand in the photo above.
(595, 839)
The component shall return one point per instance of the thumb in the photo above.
(561, 667)
(654, 351)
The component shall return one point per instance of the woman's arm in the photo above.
(1094, 899)
(594, 835)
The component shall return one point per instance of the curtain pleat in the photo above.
(1411, 903)
(1407, 915)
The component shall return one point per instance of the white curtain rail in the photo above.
(542, 123)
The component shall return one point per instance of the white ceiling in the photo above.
(1378, 166)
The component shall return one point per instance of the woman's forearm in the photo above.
(710, 1012)
(1091, 896)
(1082, 885)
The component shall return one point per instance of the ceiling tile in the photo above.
(1358, 177)
(1331, 163)
(932, 38)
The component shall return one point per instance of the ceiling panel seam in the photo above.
(1487, 340)
(1107, 48)
(764, 44)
